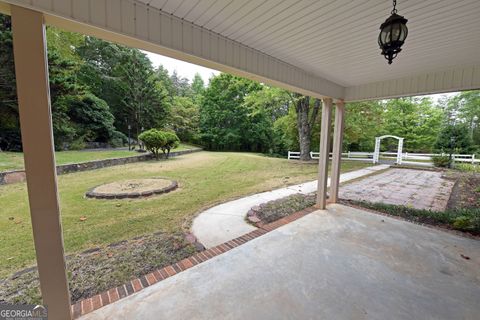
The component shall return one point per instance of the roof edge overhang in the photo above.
(135, 24)
(453, 79)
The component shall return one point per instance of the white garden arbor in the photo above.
(325, 49)
(376, 153)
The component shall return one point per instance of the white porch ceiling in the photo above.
(337, 40)
(317, 47)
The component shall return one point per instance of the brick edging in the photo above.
(110, 296)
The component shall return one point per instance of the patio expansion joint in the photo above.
(112, 295)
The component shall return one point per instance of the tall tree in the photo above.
(223, 118)
(363, 122)
(184, 119)
(9, 124)
(198, 86)
(307, 113)
(181, 85)
(126, 80)
(165, 80)
(415, 119)
(465, 108)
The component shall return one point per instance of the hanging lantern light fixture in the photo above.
(393, 33)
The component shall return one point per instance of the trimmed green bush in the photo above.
(154, 141)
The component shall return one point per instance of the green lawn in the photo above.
(14, 160)
(205, 178)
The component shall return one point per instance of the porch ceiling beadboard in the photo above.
(323, 47)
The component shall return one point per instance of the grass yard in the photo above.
(14, 160)
(204, 178)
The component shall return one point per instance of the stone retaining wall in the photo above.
(8, 177)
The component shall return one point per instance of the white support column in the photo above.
(33, 93)
(337, 150)
(324, 154)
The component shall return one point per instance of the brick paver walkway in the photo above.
(416, 188)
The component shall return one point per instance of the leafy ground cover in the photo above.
(14, 160)
(99, 269)
(205, 178)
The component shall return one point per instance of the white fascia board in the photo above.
(136, 24)
(447, 80)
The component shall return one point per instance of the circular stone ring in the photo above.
(131, 189)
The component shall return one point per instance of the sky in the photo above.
(184, 69)
(188, 70)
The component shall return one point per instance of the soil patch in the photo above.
(466, 191)
(133, 188)
(99, 269)
(277, 209)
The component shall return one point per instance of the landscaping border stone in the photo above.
(14, 176)
(131, 195)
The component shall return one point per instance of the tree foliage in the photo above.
(223, 115)
(184, 119)
(154, 141)
(99, 89)
(171, 142)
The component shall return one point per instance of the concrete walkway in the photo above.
(340, 263)
(226, 221)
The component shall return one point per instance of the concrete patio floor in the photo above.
(340, 263)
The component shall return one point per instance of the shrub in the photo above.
(464, 219)
(118, 139)
(172, 141)
(154, 140)
(441, 161)
(467, 222)
(467, 167)
(78, 144)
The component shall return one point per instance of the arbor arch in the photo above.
(376, 153)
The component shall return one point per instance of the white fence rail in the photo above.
(368, 156)
(293, 155)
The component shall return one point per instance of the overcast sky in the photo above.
(184, 69)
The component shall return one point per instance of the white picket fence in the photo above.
(368, 156)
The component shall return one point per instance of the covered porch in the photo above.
(339, 263)
(322, 49)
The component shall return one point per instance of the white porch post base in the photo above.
(31, 70)
(324, 154)
(337, 151)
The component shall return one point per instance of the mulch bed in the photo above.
(466, 191)
(99, 269)
(277, 209)
(462, 214)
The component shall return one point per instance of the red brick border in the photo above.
(110, 296)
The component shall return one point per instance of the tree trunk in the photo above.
(305, 122)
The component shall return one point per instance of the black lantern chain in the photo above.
(393, 33)
(394, 7)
